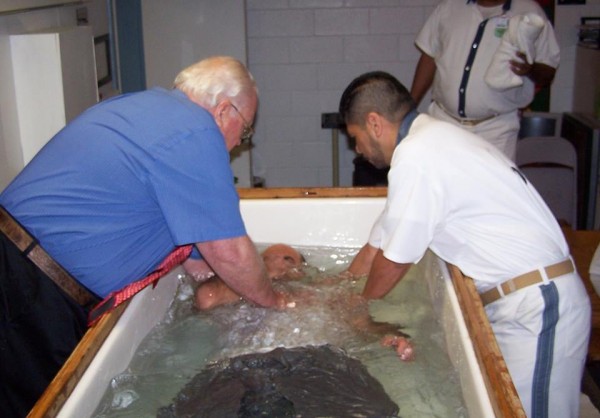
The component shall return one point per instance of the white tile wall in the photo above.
(303, 53)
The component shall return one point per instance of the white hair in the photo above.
(212, 79)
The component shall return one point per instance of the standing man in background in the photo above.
(108, 198)
(457, 44)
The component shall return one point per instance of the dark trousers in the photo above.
(39, 328)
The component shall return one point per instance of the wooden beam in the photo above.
(311, 192)
(500, 387)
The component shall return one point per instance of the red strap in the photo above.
(117, 297)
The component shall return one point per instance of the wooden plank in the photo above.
(500, 387)
(68, 376)
(309, 192)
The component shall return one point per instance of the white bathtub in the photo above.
(339, 222)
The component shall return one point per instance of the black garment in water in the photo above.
(305, 382)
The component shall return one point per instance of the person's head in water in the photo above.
(281, 261)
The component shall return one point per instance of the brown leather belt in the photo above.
(533, 277)
(30, 248)
(465, 121)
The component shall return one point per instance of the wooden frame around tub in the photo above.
(499, 385)
(307, 192)
(68, 376)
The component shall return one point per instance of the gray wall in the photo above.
(189, 30)
(304, 52)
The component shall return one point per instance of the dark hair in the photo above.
(378, 92)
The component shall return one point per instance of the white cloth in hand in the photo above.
(520, 36)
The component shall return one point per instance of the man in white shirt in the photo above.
(457, 44)
(456, 194)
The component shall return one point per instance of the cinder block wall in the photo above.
(304, 52)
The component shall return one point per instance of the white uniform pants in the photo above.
(501, 131)
(543, 333)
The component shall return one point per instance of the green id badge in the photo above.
(501, 26)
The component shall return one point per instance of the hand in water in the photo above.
(284, 301)
(198, 269)
(363, 322)
(402, 345)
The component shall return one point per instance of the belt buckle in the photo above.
(468, 122)
(508, 287)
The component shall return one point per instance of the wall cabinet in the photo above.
(54, 80)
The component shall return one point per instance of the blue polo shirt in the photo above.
(119, 187)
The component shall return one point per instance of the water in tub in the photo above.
(186, 340)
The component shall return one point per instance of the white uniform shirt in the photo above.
(448, 36)
(456, 194)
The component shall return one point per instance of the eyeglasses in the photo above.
(247, 131)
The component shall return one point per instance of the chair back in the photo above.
(550, 164)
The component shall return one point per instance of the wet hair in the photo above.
(216, 78)
(378, 92)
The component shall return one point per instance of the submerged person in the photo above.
(458, 195)
(280, 260)
(283, 262)
(110, 196)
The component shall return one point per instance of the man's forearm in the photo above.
(237, 262)
(384, 275)
(541, 74)
(361, 264)
(423, 77)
